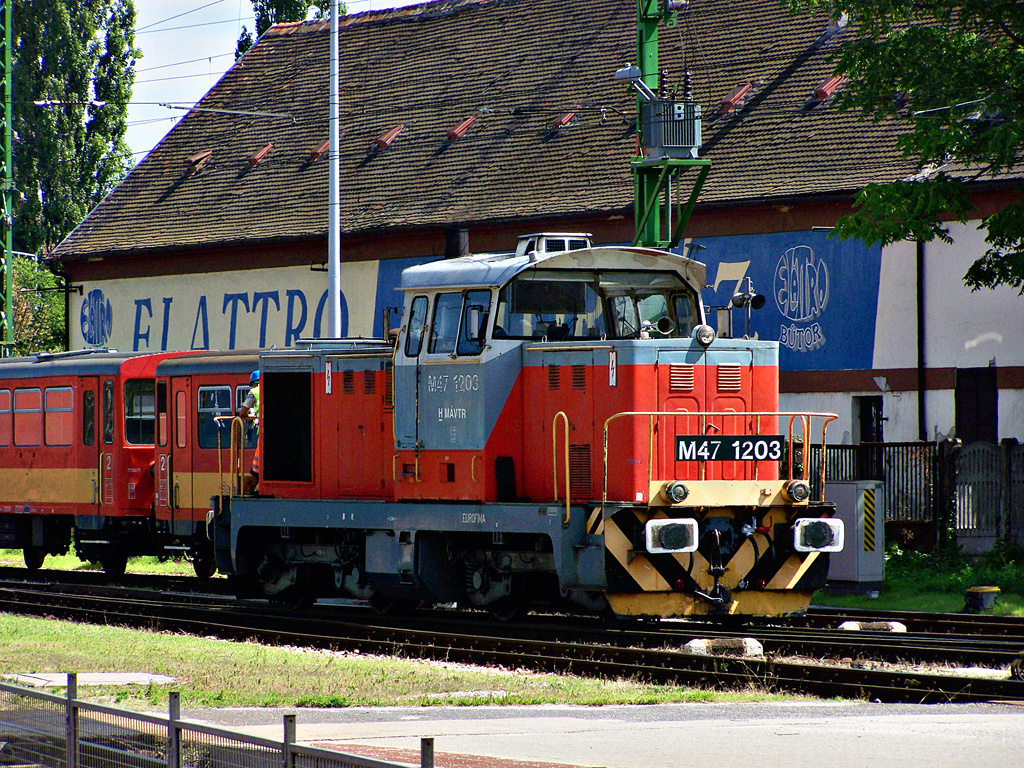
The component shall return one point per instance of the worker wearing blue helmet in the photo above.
(251, 410)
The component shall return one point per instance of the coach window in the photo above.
(108, 411)
(139, 411)
(417, 322)
(28, 417)
(180, 419)
(161, 413)
(251, 425)
(58, 416)
(213, 402)
(6, 417)
(89, 417)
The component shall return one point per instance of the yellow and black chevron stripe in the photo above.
(869, 519)
(755, 564)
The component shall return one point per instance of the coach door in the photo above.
(180, 469)
(89, 443)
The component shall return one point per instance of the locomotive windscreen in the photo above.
(547, 296)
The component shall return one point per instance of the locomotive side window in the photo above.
(108, 412)
(444, 331)
(58, 416)
(250, 426)
(213, 402)
(475, 311)
(417, 322)
(28, 417)
(139, 411)
(89, 417)
(6, 417)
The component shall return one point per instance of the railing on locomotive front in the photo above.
(804, 418)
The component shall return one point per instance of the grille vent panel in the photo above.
(680, 378)
(729, 378)
(579, 470)
(554, 377)
(369, 383)
(348, 382)
(579, 377)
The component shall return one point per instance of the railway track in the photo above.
(806, 660)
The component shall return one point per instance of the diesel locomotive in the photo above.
(557, 427)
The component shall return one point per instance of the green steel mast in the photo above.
(7, 186)
(669, 130)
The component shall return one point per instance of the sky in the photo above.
(186, 46)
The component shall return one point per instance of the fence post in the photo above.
(287, 753)
(1006, 446)
(427, 752)
(945, 502)
(173, 732)
(72, 721)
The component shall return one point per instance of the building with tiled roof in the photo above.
(467, 122)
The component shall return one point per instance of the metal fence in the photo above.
(908, 471)
(43, 730)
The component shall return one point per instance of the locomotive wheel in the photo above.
(34, 557)
(511, 608)
(114, 563)
(297, 597)
(204, 564)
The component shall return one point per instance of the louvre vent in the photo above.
(554, 377)
(729, 378)
(348, 382)
(680, 378)
(369, 383)
(579, 377)
(389, 388)
(579, 470)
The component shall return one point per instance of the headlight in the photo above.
(666, 536)
(676, 492)
(796, 491)
(818, 535)
(704, 334)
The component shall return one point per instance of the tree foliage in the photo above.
(78, 60)
(38, 308)
(270, 12)
(954, 71)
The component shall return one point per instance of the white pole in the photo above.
(334, 201)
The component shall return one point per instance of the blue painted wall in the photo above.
(821, 294)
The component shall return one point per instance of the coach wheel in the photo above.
(114, 563)
(34, 557)
(204, 564)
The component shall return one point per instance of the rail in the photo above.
(50, 731)
(805, 419)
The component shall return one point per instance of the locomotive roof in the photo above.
(494, 270)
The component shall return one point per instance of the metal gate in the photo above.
(979, 497)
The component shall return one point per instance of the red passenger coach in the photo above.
(196, 397)
(76, 455)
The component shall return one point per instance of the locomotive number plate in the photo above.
(729, 447)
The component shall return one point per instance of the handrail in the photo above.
(806, 417)
(554, 460)
(236, 454)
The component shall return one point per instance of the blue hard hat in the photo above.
(255, 377)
